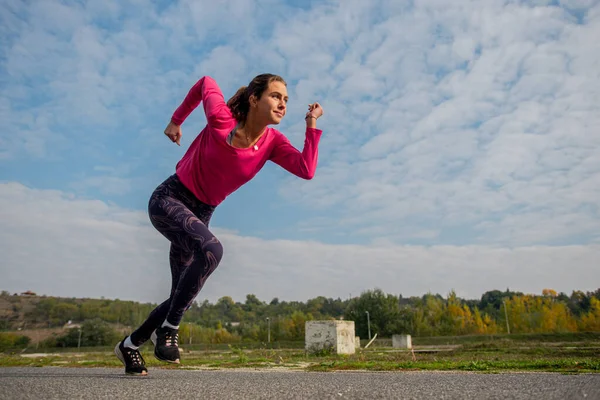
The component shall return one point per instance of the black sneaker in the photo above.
(165, 344)
(132, 359)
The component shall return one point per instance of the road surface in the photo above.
(99, 383)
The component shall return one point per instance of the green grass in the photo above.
(479, 366)
(520, 338)
(549, 353)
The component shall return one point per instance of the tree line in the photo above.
(227, 321)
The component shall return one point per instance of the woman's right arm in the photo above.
(208, 92)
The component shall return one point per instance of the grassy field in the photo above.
(564, 353)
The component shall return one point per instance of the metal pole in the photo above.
(269, 330)
(506, 316)
(79, 340)
(369, 324)
(190, 325)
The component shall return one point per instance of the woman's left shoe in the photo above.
(131, 359)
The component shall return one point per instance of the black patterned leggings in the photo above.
(195, 252)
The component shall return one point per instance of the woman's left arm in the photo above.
(302, 164)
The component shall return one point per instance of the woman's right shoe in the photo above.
(166, 346)
(132, 359)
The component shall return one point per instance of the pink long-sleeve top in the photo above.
(212, 169)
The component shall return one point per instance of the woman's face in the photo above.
(272, 105)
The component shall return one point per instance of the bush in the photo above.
(93, 333)
(12, 340)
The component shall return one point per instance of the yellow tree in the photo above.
(549, 293)
(555, 316)
(434, 310)
(490, 324)
(468, 322)
(518, 314)
(483, 324)
(455, 315)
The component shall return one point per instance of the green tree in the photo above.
(95, 332)
(253, 304)
(590, 322)
(384, 313)
(579, 302)
(63, 312)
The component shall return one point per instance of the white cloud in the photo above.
(578, 4)
(445, 122)
(112, 185)
(57, 244)
(222, 63)
(507, 141)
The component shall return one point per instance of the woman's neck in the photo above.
(251, 129)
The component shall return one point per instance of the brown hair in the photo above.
(239, 103)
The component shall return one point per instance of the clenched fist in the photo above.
(314, 110)
(173, 132)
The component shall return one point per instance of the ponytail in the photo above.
(239, 104)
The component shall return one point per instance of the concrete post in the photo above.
(330, 335)
(401, 341)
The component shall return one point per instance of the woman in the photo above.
(235, 144)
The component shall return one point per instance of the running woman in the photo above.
(231, 149)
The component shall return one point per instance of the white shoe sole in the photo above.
(119, 354)
(121, 358)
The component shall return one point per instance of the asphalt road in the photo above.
(97, 383)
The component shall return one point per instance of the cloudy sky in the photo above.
(461, 145)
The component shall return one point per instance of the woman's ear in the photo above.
(252, 100)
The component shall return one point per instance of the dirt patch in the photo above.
(39, 335)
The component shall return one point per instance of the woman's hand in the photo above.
(314, 110)
(173, 132)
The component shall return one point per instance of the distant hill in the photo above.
(55, 321)
(427, 315)
(30, 311)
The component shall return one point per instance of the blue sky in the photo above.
(460, 139)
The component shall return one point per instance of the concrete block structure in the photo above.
(401, 341)
(330, 335)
